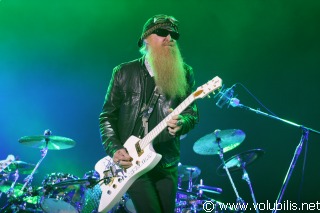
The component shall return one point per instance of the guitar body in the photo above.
(115, 186)
(115, 181)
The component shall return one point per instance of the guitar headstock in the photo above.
(5, 163)
(209, 87)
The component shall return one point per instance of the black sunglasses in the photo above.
(165, 33)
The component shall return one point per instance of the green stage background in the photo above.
(56, 59)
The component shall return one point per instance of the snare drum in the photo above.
(62, 193)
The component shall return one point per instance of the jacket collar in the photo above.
(141, 61)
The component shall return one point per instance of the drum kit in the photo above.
(215, 143)
(62, 192)
(59, 192)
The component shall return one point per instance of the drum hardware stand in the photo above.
(5, 178)
(213, 201)
(190, 185)
(305, 133)
(2, 181)
(245, 177)
(44, 152)
(179, 182)
(218, 140)
(10, 192)
(201, 191)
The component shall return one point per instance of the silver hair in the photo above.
(143, 49)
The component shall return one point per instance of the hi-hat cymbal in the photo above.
(50, 141)
(184, 172)
(236, 162)
(21, 166)
(211, 143)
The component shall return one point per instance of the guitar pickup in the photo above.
(138, 149)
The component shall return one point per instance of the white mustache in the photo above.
(168, 43)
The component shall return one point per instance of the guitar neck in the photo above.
(201, 92)
(163, 124)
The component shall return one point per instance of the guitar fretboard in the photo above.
(163, 124)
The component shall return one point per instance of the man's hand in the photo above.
(174, 124)
(122, 158)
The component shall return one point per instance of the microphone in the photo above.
(225, 97)
(235, 102)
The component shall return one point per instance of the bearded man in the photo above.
(141, 94)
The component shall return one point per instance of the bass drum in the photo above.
(92, 199)
(62, 193)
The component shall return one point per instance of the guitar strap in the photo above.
(147, 110)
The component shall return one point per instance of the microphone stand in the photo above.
(304, 137)
(246, 177)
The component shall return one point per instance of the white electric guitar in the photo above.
(5, 163)
(114, 182)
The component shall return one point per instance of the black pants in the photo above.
(155, 191)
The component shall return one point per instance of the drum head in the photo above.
(57, 206)
(63, 193)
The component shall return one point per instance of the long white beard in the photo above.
(167, 65)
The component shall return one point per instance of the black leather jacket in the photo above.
(123, 103)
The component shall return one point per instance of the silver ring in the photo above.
(179, 123)
(118, 162)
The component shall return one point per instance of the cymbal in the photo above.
(236, 162)
(21, 166)
(29, 197)
(5, 186)
(185, 171)
(226, 139)
(51, 141)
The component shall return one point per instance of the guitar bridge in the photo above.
(138, 149)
